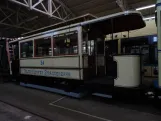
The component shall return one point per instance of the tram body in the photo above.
(54, 64)
(77, 54)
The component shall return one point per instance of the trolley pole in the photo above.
(158, 8)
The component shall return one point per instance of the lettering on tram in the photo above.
(42, 62)
(57, 45)
(45, 72)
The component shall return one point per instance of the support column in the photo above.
(158, 5)
(119, 46)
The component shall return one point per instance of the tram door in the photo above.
(111, 48)
(96, 54)
(100, 57)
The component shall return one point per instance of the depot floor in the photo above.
(18, 103)
(10, 113)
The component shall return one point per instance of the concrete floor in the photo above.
(10, 113)
(59, 108)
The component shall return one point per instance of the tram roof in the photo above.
(78, 19)
(118, 22)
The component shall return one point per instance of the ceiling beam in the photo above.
(6, 17)
(122, 4)
(47, 9)
(108, 12)
(3, 12)
(66, 7)
(141, 3)
(91, 2)
(15, 26)
(15, 19)
(99, 8)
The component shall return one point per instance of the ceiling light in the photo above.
(153, 17)
(146, 7)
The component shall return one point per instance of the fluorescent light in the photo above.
(146, 7)
(153, 17)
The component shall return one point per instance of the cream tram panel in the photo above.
(59, 73)
(66, 66)
(128, 71)
(56, 62)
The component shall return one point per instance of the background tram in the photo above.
(142, 41)
(77, 55)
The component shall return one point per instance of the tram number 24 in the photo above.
(42, 62)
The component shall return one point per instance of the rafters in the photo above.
(122, 4)
(53, 8)
(7, 21)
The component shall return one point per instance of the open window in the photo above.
(26, 49)
(66, 44)
(43, 47)
(87, 45)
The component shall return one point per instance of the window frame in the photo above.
(78, 29)
(20, 49)
(35, 56)
(76, 54)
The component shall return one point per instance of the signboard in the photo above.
(70, 74)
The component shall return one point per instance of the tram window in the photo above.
(66, 44)
(27, 49)
(88, 45)
(88, 48)
(43, 47)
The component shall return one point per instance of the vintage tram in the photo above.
(74, 54)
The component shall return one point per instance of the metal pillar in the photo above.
(119, 46)
(158, 5)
